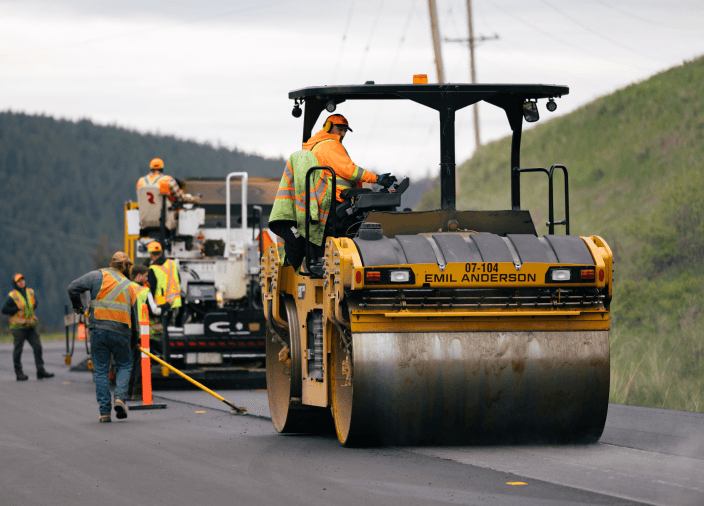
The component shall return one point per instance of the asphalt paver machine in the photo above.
(446, 326)
(220, 329)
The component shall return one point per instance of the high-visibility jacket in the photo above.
(330, 152)
(152, 179)
(115, 299)
(142, 296)
(25, 316)
(290, 201)
(167, 283)
(155, 327)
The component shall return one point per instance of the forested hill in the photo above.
(64, 185)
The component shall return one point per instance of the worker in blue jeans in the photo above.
(114, 328)
(104, 343)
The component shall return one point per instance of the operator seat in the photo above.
(150, 202)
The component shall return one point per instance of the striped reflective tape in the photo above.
(144, 355)
(144, 329)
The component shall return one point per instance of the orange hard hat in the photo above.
(18, 276)
(156, 164)
(336, 119)
(154, 247)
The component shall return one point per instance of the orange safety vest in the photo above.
(115, 299)
(167, 284)
(25, 316)
(151, 180)
(334, 154)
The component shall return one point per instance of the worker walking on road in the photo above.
(20, 306)
(114, 328)
(156, 176)
(164, 281)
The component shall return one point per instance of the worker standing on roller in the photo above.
(20, 306)
(114, 325)
(156, 176)
(287, 215)
(164, 281)
(327, 147)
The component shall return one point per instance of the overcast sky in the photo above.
(220, 70)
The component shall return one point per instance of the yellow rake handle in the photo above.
(235, 409)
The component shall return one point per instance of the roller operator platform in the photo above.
(446, 326)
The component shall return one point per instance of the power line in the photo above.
(380, 108)
(369, 42)
(630, 15)
(403, 38)
(342, 44)
(576, 22)
(535, 28)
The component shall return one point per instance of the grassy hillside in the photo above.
(64, 186)
(636, 162)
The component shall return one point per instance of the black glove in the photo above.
(386, 180)
(78, 310)
(165, 308)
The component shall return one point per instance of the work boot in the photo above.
(42, 373)
(120, 409)
(21, 376)
(105, 418)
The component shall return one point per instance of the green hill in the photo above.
(64, 186)
(636, 163)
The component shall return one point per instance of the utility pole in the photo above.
(475, 107)
(472, 41)
(436, 40)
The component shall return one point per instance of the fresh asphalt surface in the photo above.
(54, 451)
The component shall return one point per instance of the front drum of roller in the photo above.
(472, 387)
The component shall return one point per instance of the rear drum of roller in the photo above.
(284, 384)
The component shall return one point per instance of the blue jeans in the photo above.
(103, 344)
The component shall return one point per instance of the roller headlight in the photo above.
(560, 275)
(399, 276)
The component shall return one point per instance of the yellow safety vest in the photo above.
(25, 316)
(168, 287)
(155, 326)
(142, 295)
(115, 299)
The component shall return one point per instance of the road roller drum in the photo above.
(458, 388)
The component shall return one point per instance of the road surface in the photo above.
(54, 451)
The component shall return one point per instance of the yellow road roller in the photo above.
(438, 327)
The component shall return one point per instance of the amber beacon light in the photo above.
(420, 78)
